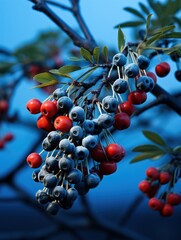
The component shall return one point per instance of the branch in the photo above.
(76, 38)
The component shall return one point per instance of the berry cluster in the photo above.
(161, 200)
(79, 144)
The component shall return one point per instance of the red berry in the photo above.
(45, 123)
(48, 108)
(115, 152)
(152, 173)
(8, 137)
(155, 204)
(33, 106)
(162, 69)
(152, 75)
(34, 160)
(107, 168)
(121, 121)
(98, 154)
(152, 191)
(173, 199)
(126, 107)
(144, 186)
(164, 177)
(94, 170)
(2, 143)
(167, 210)
(4, 105)
(137, 97)
(63, 123)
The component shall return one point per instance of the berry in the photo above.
(119, 59)
(137, 97)
(33, 106)
(35, 175)
(126, 107)
(152, 173)
(63, 123)
(66, 146)
(115, 152)
(54, 137)
(45, 123)
(143, 62)
(173, 199)
(88, 126)
(145, 83)
(76, 133)
(167, 210)
(2, 143)
(81, 188)
(50, 180)
(96, 171)
(131, 70)
(152, 191)
(58, 93)
(34, 160)
(53, 208)
(77, 114)
(98, 154)
(52, 164)
(144, 186)
(105, 120)
(8, 137)
(4, 105)
(162, 69)
(72, 194)
(81, 152)
(66, 164)
(120, 85)
(155, 204)
(47, 146)
(178, 75)
(109, 104)
(64, 104)
(42, 197)
(164, 177)
(74, 176)
(90, 141)
(152, 75)
(59, 193)
(122, 121)
(107, 168)
(48, 109)
(92, 180)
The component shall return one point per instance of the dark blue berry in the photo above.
(77, 114)
(109, 104)
(50, 180)
(132, 70)
(120, 85)
(119, 59)
(76, 133)
(53, 208)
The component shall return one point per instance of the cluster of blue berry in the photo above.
(79, 146)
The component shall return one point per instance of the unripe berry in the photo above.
(33, 106)
(162, 69)
(34, 160)
(119, 59)
(152, 173)
(132, 70)
(143, 62)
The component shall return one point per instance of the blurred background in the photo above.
(115, 209)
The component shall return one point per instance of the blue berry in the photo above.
(41, 175)
(66, 164)
(72, 194)
(119, 59)
(92, 180)
(66, 146)
(47, 146)
(59, 93)
(88, 126)
(42, 197)
(132, 70)
(105, 120)
(76, 133)
(64, 104)
(77, 114)
(90, 141)
(81, 188)
(59, 193)
(53, 208)
(54, 137)
(35, 175)
(120, 85)
(145, 83)
(50, 180)
(109, 104)
(52, 164)
(81, 153)
(74, 176)
(143, 62)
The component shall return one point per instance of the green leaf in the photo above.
(146, 148)
(86, 54)
(164, 29)
(130, 24)
(134, 12)
(75, 59)
(96, 54)
(152, 39)
(50, 83)
(67, 69)
(44, 77)
(121, 40)
(146, 156)
(144, 8)
(154, 137)
(171, 35)
(86, 74)
(105, 53)
(148, 21)
(56, 72)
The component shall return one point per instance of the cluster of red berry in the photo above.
(152, 184)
